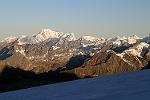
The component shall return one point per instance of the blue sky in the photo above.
(100, 18)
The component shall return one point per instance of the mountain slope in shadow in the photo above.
(15, 78)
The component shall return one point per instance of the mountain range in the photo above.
(49, 54)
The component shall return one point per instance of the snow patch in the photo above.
(22, 51)
(139, 50)
(55, 47)
(86, 45)
(90, 38)
(20, 43)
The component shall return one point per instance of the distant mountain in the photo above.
(8, 40)
(129, 40)
(47, 35)
(146, 39)
(43, 35)
(58, 53)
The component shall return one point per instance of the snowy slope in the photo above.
(138, 50)
(124, 86)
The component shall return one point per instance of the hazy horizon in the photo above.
(98, 18)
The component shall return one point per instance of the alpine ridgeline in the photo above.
(63, 53)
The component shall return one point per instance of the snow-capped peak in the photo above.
(71, 37)
(49, 34)
(139, 50)
(135, 36)
(9, 39)
(133, 39)
(130, 40)
(46, 34)
(45, 30)
(117, 40)
(43, 35)
(90, 38)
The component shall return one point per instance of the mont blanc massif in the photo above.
(51, 57)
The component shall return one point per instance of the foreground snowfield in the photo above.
(125, 86)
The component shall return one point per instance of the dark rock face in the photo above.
(15, 78)
(5, 53)
(148, 54)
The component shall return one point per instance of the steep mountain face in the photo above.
(86, 56)
(109, 62)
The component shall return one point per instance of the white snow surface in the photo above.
(125, 86)
(55, 47)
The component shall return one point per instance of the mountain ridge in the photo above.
(55, 53)
(48, 34)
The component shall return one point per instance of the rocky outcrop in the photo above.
(109, 63)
